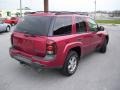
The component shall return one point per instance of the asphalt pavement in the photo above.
(95, 72)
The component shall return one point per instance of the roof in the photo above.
(51, 13)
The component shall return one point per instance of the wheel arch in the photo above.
(76, 49)
(8, 26)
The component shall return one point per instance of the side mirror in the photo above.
(101, 28)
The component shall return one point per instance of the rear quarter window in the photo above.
(62, 25)
(80, 25)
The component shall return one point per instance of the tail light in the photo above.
(51, 47)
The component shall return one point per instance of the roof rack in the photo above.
(29, 13)
(65, 12)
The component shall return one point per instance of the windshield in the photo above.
(35, 25)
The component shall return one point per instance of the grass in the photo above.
(108, 21)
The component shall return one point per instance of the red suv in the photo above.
(56, 40)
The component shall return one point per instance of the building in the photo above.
(13, 13)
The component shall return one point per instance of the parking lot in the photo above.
(95, 72)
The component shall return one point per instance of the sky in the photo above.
(63, 5)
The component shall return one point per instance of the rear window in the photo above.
(35, 25)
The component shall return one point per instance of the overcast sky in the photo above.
(63, 5)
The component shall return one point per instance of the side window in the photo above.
(92, 25)
(63, 25)
(80, 25)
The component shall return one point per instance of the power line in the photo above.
(95, 10)
(21, 8)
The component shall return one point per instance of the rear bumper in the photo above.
(34, 61)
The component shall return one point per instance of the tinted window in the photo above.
(13, 18)
(92, 25)
(37, 25)
(63, 25)
(80, 25)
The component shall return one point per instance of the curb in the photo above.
(109, 24)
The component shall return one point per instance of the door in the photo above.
(93, 32)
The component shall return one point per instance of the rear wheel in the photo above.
(71, 63)
(21, 62)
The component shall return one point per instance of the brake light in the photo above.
(51, 47)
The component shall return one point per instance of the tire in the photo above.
(103, 49)
(22, 63)
(71, 64)
(7, 29)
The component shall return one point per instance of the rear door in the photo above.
(82, 35)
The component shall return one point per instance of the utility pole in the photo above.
(20, 8)
(46, 6)
(95, 11)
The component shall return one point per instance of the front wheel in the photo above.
(71, 63)
(103, 49)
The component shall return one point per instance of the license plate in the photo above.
(22, 58)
